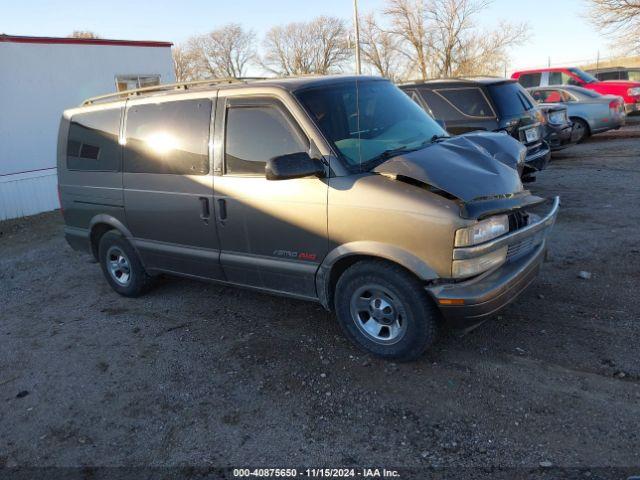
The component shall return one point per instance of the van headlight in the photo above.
(482, 231)
(475, 266)
(634, 92)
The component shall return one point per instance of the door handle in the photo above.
(222, 209)
(205, 212)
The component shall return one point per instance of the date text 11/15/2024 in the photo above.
(316, 473)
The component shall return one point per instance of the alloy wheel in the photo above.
(118, 266)
(378, 314)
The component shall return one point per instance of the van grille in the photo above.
(518, 220)
(517, 249)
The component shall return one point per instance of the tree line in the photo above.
(407, 39)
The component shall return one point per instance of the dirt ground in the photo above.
(194, 374)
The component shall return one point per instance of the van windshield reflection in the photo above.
(369, 121)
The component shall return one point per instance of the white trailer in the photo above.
(39, 78)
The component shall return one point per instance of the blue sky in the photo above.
(558, 29)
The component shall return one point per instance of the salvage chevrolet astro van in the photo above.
(340, 190)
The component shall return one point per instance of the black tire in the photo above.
(583, 127)
(111, 245)
(416, 314)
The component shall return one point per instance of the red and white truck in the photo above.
(543, 77)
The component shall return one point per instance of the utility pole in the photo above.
(357, 32)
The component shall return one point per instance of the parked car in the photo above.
(491, 104)
(557, 126)
(339, 190)
(616, 73)
(589, 111)
(552, 77)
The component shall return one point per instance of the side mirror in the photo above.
(293, 165)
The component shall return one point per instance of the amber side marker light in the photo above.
(451, 301)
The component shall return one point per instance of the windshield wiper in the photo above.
(392, 152)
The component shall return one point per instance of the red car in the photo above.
(543, 77)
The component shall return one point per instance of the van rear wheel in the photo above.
(385, 311)
(121, 265)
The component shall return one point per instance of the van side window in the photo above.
(93, 141)
(254, 134)
(168, 138)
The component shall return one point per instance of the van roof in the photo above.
(286, 83)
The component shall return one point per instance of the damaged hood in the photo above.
(470, 167)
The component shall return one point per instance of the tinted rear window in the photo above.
(170, 138)
(439, 107)
(510, 99)
(93, 141)
(470, 101)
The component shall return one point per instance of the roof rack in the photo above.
(166, 87)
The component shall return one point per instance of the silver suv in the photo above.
(339, 190)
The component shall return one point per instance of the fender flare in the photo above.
(110, 220)
(379, 250)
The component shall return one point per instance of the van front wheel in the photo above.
(122, 266)
(385, 311)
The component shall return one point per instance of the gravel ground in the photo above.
(204, 375)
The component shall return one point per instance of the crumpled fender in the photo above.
(469, 167)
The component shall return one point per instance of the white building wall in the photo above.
(37, 83)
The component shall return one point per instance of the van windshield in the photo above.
(368, 121)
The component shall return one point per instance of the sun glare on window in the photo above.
(162, 142)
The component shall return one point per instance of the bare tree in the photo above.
(319, 46)
(224, 52)
(185, 64)
(485, 52)
(409, 23)
(619, 19)
(287, 50)
(451, 21)
(83, 34)
(380, 48)
(441, 37)
(460, 48)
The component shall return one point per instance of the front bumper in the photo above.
(468, 303)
